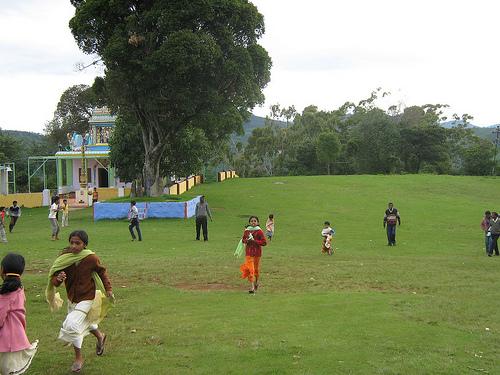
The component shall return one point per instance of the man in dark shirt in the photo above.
(14, 212)
(391, 217)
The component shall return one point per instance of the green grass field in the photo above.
(430, 305)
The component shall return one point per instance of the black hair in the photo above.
(327, 223)
(132, 203)
(487, 213)
(2, 208)
(391, 203)
(12, 263)
(81, 234)
(271, 216)
(252, 217)
(494, 213)
(14, 202)
(55, 199)
(65, 200)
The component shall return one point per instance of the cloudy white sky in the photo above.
(324, 53)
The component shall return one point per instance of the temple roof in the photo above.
(100, 115)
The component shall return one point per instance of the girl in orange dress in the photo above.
(254, 239)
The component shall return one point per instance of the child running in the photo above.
(133, 215)
(254, 239)
(16, 352)
(65, 211)
(3, 235)
(327, 233)
(270, 227)
(15, 214)
(53, 210)
(89, 294)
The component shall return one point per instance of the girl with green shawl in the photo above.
(89, 294)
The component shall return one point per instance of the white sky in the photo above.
(324, 53)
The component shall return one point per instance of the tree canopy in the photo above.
(176, 67)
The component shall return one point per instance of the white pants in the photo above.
(17, 362)
(3, 235)
(76, 325)
(65, 219)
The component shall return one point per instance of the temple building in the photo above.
(85, 163)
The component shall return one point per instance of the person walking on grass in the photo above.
(495, 233)
(16, 352)
(53, 210)
(14, 213)
(65, 215)
(485, 226)
(3, 235)
(270, 227)
(133, 215)
(391, 218)
(89, 292)
(202, 212)
(253, 239)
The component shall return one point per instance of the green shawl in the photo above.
(239, 249)
(101, 303)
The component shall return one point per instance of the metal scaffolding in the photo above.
(43, 160)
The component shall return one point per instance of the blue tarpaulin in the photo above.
(156, 210)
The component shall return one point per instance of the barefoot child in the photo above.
(16, 352)
(270, 227)
(327, 233)
(254, 239)
(89, 294)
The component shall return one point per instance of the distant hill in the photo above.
(485, 132)
(253, 123)
(25, 137)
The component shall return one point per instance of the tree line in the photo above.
(363, 139)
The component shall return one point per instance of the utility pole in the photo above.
(497, 133)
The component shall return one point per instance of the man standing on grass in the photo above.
(495, 233)
(391, 217)
(201, 213)
(485, 226)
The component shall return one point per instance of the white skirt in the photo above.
(76, 325)
(14, 363)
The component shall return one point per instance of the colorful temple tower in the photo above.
(85, 163)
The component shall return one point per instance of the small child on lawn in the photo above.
(89, 294)
(16, 352)
(270, 227)
(327, 233)
(65, 211)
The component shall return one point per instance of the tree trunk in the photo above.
(328, 167)
(152, 179)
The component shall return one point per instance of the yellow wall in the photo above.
(185, 185)
(225, 175)
(110, 193)
(23, 199)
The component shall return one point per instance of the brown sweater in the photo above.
(79, 283)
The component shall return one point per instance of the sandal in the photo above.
(76, 367)
(99, 347)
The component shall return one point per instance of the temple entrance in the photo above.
(103, 177)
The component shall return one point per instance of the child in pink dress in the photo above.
(16, 352)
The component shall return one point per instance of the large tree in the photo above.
(173, 65)
(72, 113)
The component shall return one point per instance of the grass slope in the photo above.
(421, 307)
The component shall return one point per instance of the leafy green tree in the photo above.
(72, 114)
(328, 148)
(173, 65)
(423, 145)
(478, 158)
